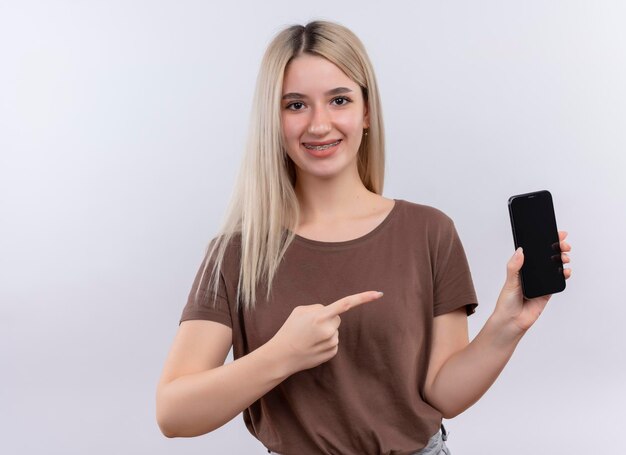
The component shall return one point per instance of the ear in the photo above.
(366, 117)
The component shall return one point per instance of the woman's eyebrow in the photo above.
(335, 91)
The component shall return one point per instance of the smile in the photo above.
(321, 147)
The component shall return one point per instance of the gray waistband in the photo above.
(436, 444)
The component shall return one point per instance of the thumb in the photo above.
(513, 268)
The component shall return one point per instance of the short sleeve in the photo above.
(453, 285)
(200, 302)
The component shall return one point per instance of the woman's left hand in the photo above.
(511, 305)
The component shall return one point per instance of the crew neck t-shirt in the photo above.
(368, 398)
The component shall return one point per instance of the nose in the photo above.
(320, 123)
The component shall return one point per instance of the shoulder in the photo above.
(231, 246)
(426, 224)
(425, 214)
(232, 240)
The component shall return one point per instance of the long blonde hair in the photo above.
(264, 210)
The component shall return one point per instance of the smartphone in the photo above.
(534, 229)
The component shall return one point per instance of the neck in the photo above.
(331, 200)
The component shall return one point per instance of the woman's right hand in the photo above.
(310, 334)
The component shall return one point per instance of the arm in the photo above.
(197, 393)
(459, 372)
(459, 376)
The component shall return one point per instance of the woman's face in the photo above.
(323, 116)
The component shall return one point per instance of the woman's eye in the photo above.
(343, 100)
(291, 106)
(339, 101)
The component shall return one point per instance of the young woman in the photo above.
(325, 364)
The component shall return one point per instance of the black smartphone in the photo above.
(534, 229)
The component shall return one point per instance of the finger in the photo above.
(567, 273)
(349, 302)
(334, 341)
(565, 258)
(334, 335)
(563, 245)
(513, 267)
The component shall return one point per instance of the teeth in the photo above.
(321, 147)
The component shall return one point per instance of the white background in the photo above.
(122, 126)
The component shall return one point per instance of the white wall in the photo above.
(121, 129)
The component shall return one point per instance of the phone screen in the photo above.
(534, 229)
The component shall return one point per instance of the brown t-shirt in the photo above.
(368, 399)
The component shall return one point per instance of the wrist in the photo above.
(278, 360)
(505, 328)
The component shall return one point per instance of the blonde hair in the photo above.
(264, 210)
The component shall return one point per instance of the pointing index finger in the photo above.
(349, 302)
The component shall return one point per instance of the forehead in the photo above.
(312, 73)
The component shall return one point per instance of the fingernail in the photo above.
(380, 293)
(519, 251)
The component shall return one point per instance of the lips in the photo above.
(317, 144)
(313, 146)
